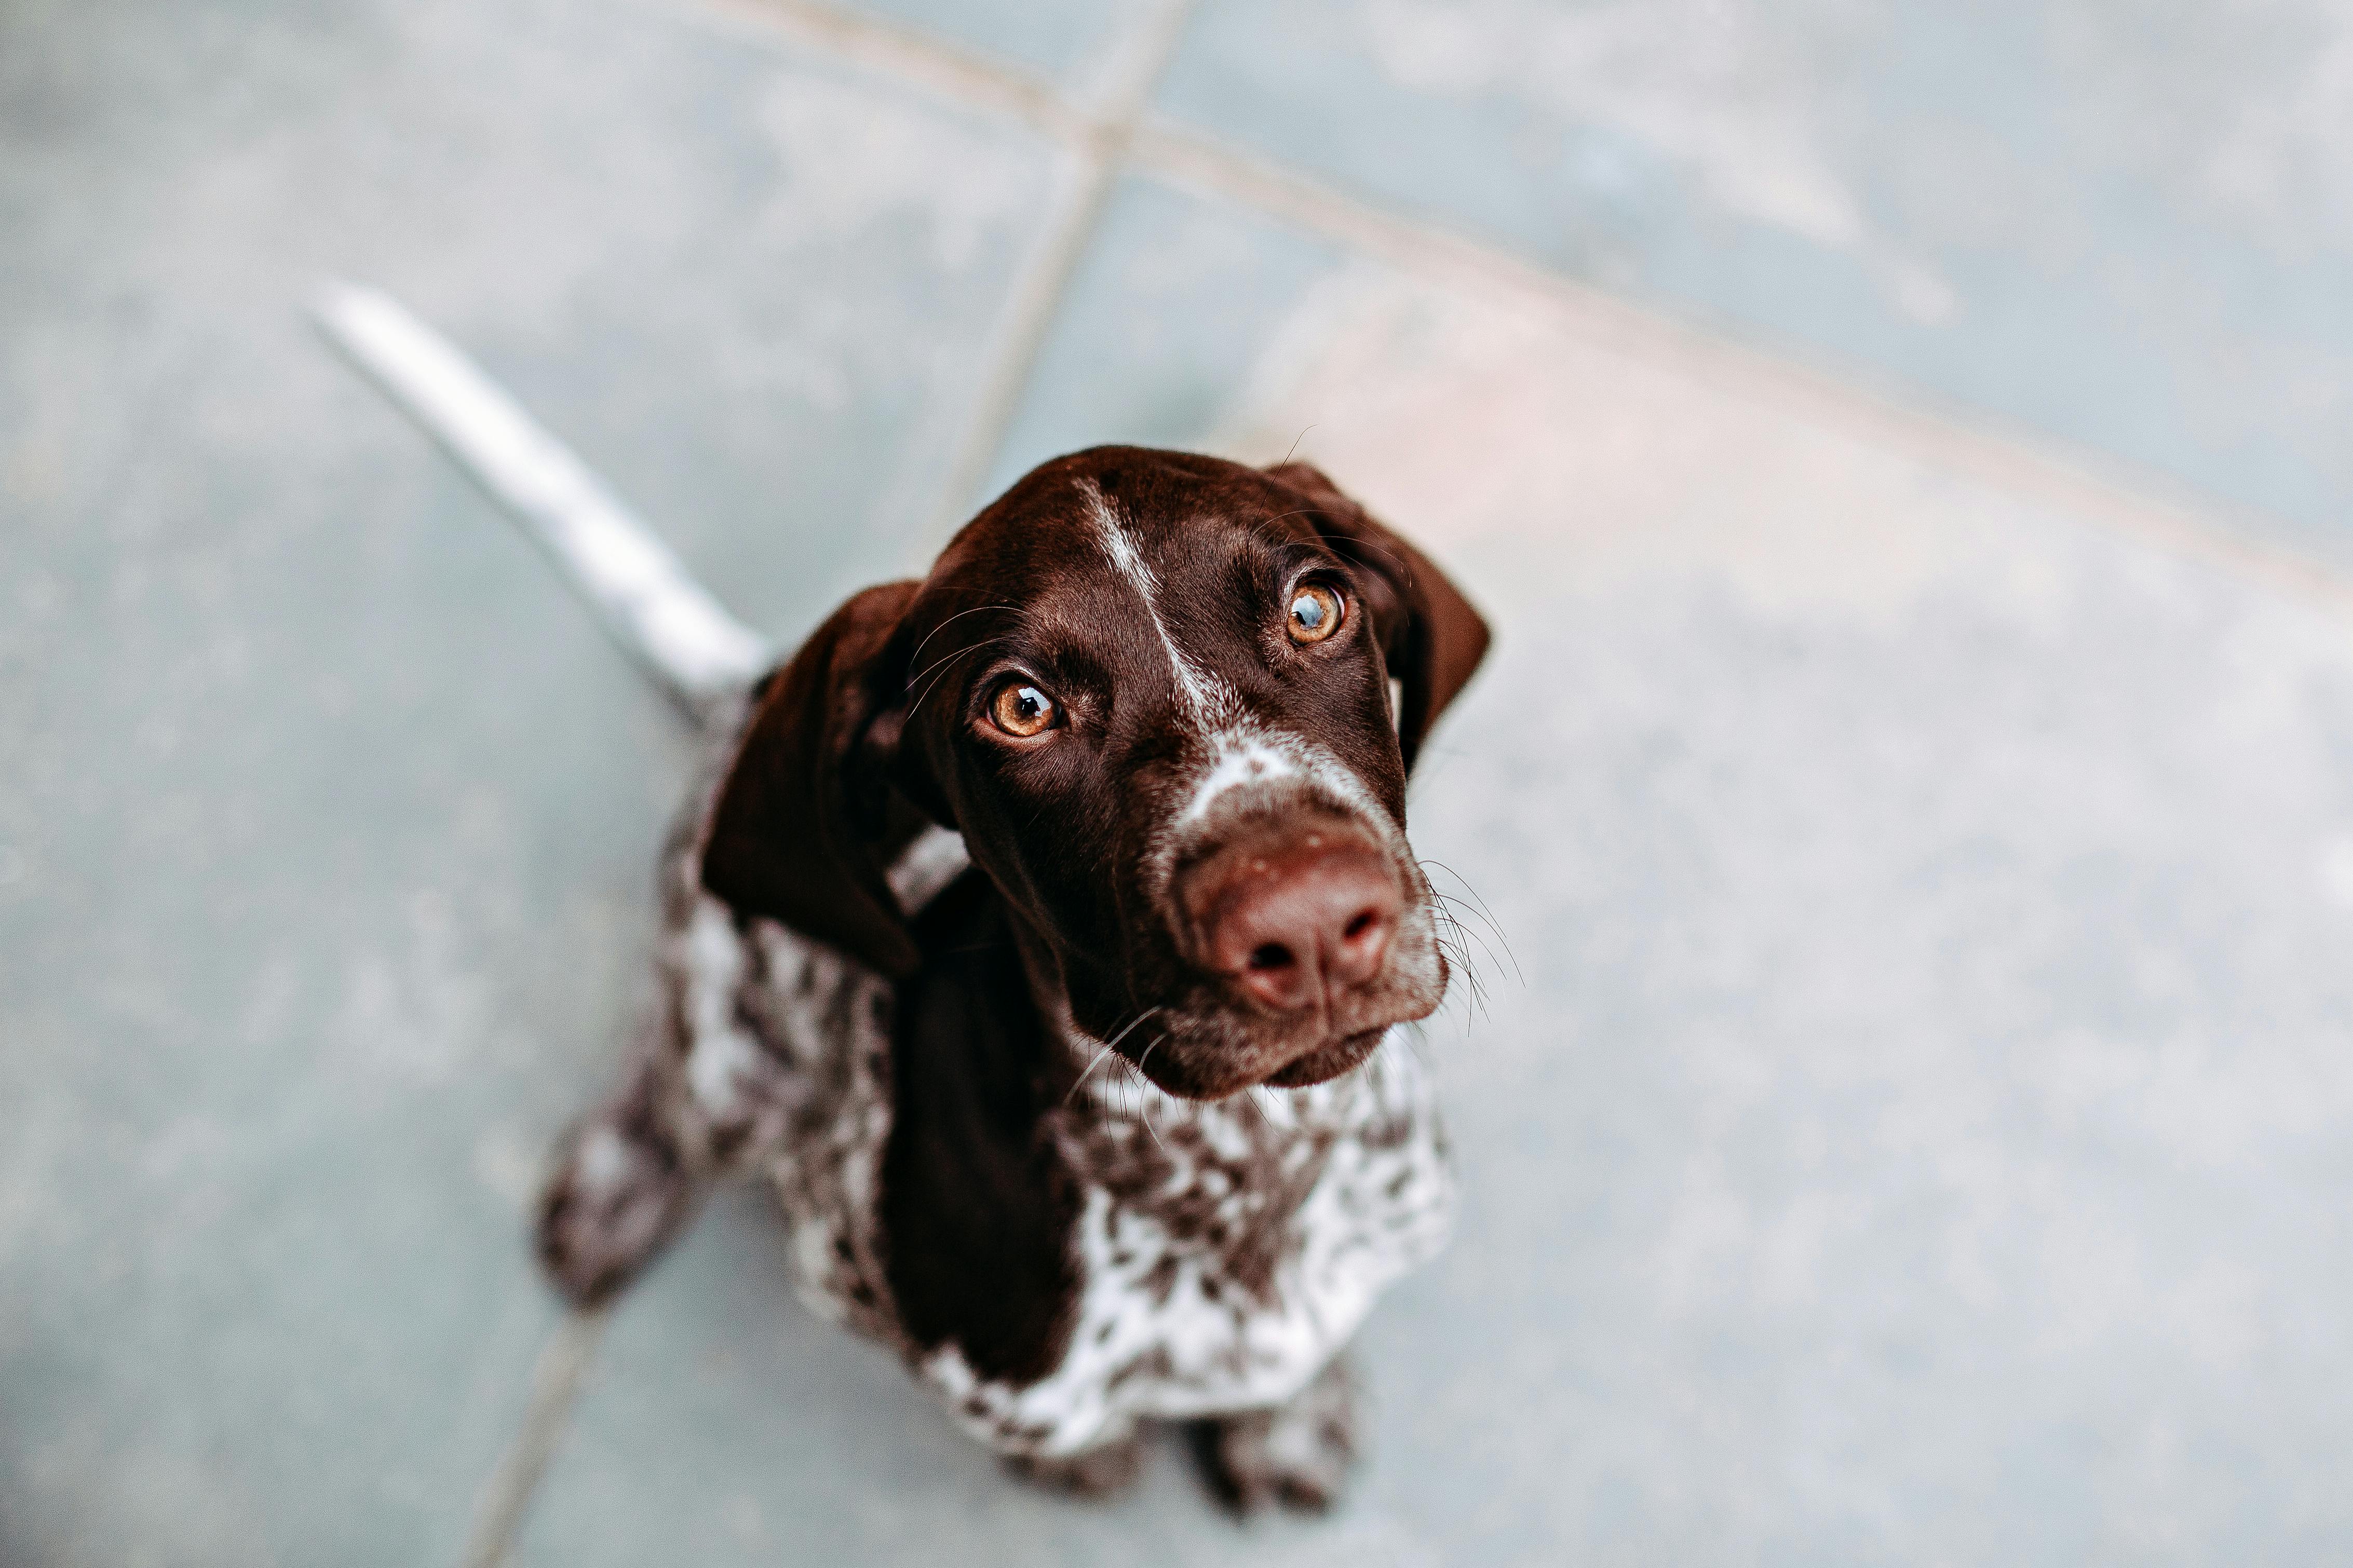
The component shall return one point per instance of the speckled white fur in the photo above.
(787, 1062)
(1164, 1330)
(1224, 1252)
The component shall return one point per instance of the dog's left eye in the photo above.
(1315, 612)
(1021, 710)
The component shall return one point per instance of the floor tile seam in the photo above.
(1020, 337)
(1129, 71)
(2113, 492)
(2122, 496)
(1098, 142)
(909, 57)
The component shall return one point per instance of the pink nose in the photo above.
(1296, 925)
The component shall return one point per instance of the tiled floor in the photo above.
(2129, 227)
(1911, 1123)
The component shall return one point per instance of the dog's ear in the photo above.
(1430, 637)
(806, 821)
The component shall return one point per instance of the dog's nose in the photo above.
(1293, 927)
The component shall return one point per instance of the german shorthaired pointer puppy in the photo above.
(1096, 1113)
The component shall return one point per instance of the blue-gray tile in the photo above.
(2122, 228)
(1905, 1120)
(725, 1424)
(1064, 40)
(1907, 1123)
(1174, 307)
(326, 818)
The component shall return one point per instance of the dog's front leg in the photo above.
(1099, 1471)
(1298, 1453)
(706, 1095)
(624, 1180)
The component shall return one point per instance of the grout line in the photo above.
(1020, 335)
(1096, 125)
(917, 58)
(2112, 491)
(1122, 89)
(1108, 131)
(1121, 92)
(1128, 68)
(556, 1382)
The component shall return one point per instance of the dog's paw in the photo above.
(1298, 1454)
(1096, 1472)
(612, 1202)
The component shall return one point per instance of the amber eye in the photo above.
(1021, 708)
(1315, 613)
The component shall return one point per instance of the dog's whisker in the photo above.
(1110, 1046)
(943, 665)
(1467, 888)
(1087, 837)
(1455, 911)
(1338, 539)
(1139, 1018)
(1083, 1076)
(1463, 936)
(1455, 922)
(1469, 1009)
(1273, 518)
(1461, 958)
(976, 610)
(1144, 1096)
(1123, 1098)
(1484, 914)
(946, 659)
(1470, 897)
(1472, 975)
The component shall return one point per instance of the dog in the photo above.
(1042, 929)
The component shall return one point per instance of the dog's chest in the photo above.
(1226, 1251)
(1223, 1252)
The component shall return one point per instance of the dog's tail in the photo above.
(660, 616)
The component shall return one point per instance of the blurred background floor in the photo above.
(1903, 455)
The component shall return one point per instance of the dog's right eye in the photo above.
(1315, 613)
(1021, 710)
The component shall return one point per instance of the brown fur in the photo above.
(1146, 591)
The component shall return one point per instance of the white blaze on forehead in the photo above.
(1240, 760)
(1197, 688)
(1239, 752)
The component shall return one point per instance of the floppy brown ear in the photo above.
(1430, 637)
(805, 822)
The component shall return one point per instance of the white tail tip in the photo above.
(661, 614)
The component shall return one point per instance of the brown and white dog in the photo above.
(1038, 935)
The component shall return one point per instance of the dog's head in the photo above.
(1154, 692)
